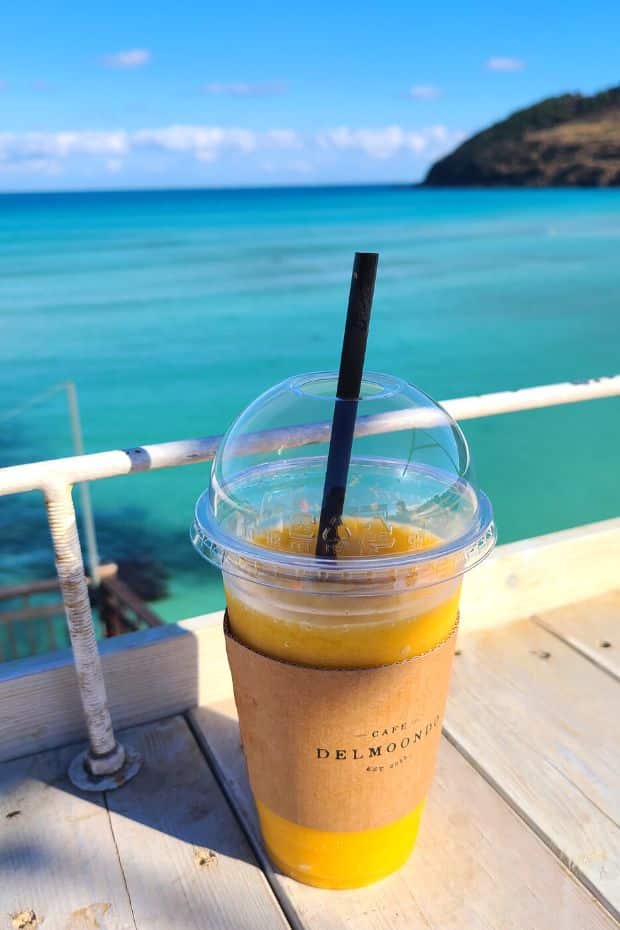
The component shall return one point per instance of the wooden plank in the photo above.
(186, 862)
(542, 573)
(150, 674)
(477, 865)
(592, 627)
(58, 860)
(541, 722)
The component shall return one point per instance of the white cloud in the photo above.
(424, 92)
(378, 143)
(384, 143)
(505, 64)
(282, 139)
(302, 166)
(244, 89)
(30, 146)
(33, 166)
(204, 142)
(206, 156)
(129, 58)
(116, 150)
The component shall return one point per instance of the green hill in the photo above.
(566, 141)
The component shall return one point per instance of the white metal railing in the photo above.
(106, 764)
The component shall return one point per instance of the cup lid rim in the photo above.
(213, 544)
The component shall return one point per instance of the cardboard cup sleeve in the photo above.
(340, 749)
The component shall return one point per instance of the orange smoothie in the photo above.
(345, 631)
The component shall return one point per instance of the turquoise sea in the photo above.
(171, 310)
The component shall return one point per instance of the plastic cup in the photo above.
(414, 522)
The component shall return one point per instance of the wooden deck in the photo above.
(520, 833)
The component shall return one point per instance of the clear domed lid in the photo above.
(410, 479)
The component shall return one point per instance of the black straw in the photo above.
(347, 397)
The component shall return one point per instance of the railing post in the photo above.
(87, 507)
(105, 764)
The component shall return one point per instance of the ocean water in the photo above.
(172, 310)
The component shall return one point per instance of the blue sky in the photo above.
(193, 93)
